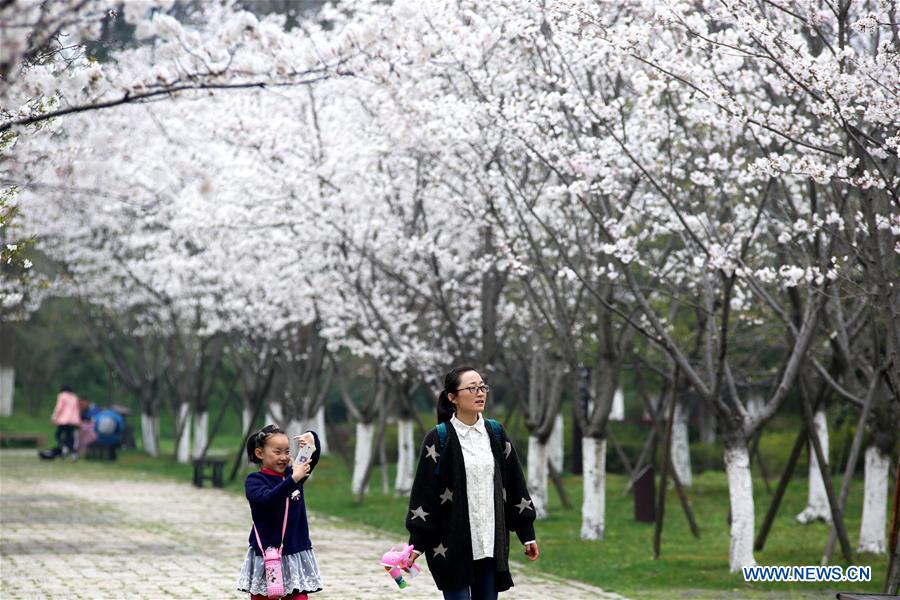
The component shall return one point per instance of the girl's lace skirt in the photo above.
(299, 570)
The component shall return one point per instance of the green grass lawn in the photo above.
(623, 561)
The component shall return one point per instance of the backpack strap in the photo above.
(494, 427)
(442, 435)
(442, 441)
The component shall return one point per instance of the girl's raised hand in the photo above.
(306, 438)
(299, 470)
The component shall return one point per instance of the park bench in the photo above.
(853, 596)
(201, 465)
(22, 440)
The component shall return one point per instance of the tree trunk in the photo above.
(365, 433)
(593, 507)
(246, 419)
(581, 403)
(319, 428)
(382, 461)
(892, 583)
(276, 414)
(201, 432)
(874, 515)
(655, 401)
(556, 444)
(537, 475)
(756, 404)
(183, 424)
(740, 492)
(7, 386)
(680, 445)
(150, 433)
(405, 457)
(617, 412)
(817, 508)
(707, 424)
(7, 369)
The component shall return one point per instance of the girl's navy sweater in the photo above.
(266, 493)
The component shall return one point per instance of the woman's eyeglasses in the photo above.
(474, 389)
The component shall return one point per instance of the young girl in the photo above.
(468, 495)
(267, 490)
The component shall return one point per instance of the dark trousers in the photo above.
(483, 586)
(65, 438)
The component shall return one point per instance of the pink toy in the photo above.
(397, 562)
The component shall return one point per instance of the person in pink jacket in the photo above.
(67, 418)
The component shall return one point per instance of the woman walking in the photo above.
(468, 495)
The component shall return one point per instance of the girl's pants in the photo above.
(482, 587)
(65, 438)
(297, 596)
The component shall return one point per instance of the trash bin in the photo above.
(645, 496)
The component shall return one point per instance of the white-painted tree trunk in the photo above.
(593, 506)
(365, 435)
(201, 432)
(7, 387)
(183, 445)
(276, 414)
(654, 403)
(617, 412)
(405, 457)
(740, 493)
(320, 430)
(150, 434)
(817, 507)
(556, 444)
(294, 427)
(707, 425)
(874, 515)
(537, 475)
(246, 417)
(315, 423)
(681, 450)
(756, 404)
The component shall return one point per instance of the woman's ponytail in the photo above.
(444, 408)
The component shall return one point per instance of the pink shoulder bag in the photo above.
(272, 560)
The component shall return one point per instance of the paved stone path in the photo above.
(70, 533)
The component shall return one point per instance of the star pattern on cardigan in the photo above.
(420, 513)
(432, 453)
(525, 503)
(447, 495)
(507, 450)
(440, 549)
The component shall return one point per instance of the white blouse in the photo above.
(479, 462)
